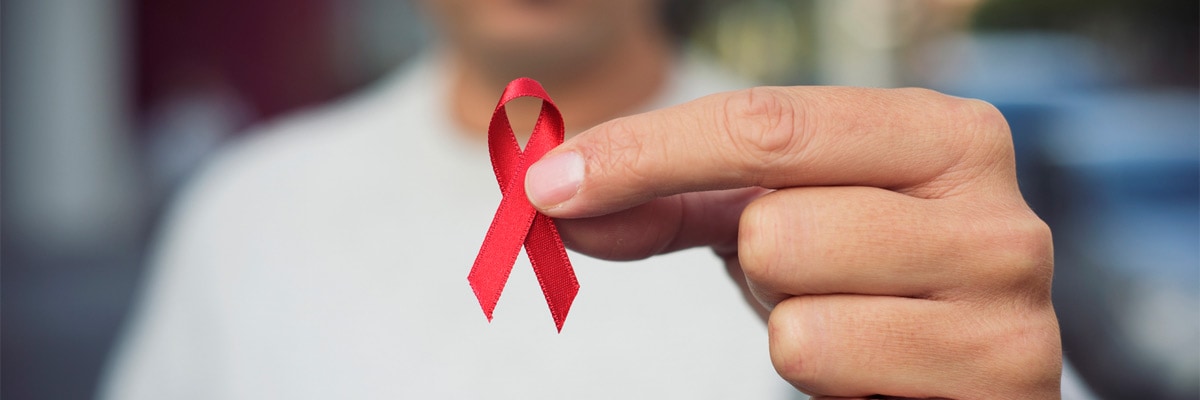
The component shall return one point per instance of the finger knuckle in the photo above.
(756, 245)
(972, 134)
(985, 120)
(624, 151)
(961, 113)
(1021, 345)
(1023, 254)
(980, 129)
(982, 113)
(761, 124)
(923, 94)
(1039, 349)
(789, 345)
(929, 102)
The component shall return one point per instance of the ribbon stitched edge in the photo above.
(516, 222)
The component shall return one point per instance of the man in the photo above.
(880, 232)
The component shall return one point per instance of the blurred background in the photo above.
(109, 105)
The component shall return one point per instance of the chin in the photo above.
(540, 50)
(538, 58)
(536, 37)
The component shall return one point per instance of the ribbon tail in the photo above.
(552, 267)
(516, 222)
(499, 250)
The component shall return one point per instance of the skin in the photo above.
(600, 58)
(880, 232)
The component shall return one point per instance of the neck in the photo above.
(611, 84)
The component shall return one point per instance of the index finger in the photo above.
(913, 141)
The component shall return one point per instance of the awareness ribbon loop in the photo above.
(516, 221)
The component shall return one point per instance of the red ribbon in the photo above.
(516, 220)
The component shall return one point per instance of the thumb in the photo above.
(662, 225)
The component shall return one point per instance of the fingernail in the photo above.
(554, 180)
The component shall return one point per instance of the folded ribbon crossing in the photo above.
(516, 221)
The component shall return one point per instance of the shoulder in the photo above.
(282, 164)
(303, 140)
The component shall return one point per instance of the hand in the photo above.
(881, 229)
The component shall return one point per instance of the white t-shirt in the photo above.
(326, 258)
